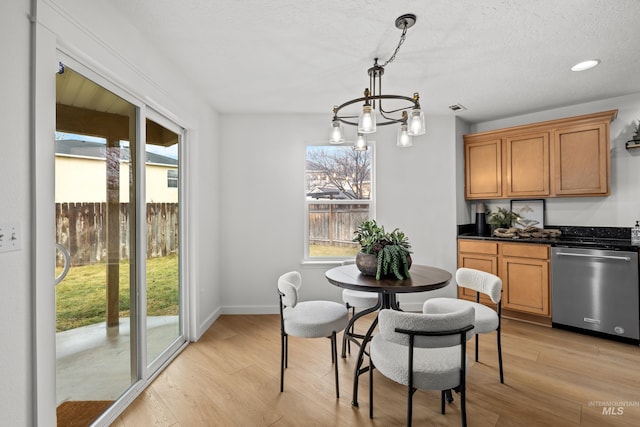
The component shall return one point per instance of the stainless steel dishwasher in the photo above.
(596, 290)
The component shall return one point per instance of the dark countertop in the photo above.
(610, 238)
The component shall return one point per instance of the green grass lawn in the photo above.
(81, 296)
(335, 251)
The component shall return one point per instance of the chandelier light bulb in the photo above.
(337, 135)
(361, 143)
(367, 120)
(404, 138)
(416, 123)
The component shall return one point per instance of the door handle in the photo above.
(620, 258)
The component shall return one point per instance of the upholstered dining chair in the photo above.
(307, 319)
(355, 299)
(423, 351)
(487, 319)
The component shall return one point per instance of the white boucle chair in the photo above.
(355, 299)
(308, 319)
(423, 351)
(487, 319)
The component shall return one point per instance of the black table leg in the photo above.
(385, 301)
(347, 335)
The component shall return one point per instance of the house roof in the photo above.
(75, 147)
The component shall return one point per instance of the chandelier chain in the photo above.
(402, 38)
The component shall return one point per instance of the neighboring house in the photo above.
(81, 174)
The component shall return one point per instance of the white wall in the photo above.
(262, 199)
(622, 207)
(15, 315)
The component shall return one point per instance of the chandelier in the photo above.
(407, 114)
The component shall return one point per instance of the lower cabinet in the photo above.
(524, 270)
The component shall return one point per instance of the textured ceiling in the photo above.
(498, 58)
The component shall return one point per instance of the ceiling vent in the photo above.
(457, 107)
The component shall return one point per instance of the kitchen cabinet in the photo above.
(479, 255)
(582, 160)
(527, 165)
(558, 158)
(524, 270)
(483, 169)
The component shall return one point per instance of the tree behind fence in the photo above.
(81, 229)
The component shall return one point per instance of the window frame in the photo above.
(307, 258)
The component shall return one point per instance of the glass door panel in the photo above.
(163, 240)
(95, 221)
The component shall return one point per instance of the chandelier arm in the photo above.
(370, 97)
(396, 110)
(390, 118)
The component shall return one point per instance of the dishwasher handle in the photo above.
(621, 258)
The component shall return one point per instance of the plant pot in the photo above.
(368, 263)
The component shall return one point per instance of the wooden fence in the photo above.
(81, 228)
(334, 225)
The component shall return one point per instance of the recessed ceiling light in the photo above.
(585, 65)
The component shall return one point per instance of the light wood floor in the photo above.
(231, 378)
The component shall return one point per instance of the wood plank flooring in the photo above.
(231, 378)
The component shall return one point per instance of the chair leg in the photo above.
(448, 395)
(463, 406)
(371, 367)
(283, 359)
(476, 347)
(442, 396)
(334, 357)
(333, 360)
(500, 355)
(410, 392)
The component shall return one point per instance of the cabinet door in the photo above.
(483, 169)
(482, 262)
(527, 165)
(526, 285)
(581, 160)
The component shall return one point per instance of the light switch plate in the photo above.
(10, 237)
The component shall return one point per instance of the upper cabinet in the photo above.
(558, 158)
(581, 160)
(527, 165)
(483, 168)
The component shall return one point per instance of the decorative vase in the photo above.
(368, 263)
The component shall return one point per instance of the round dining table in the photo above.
(423, 278)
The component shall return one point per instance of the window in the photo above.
(339, 195)
(172, 178)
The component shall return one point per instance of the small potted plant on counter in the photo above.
(502, 219)
(381, 253)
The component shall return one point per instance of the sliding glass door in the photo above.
(118, 289)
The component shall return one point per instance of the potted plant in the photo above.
(502, 218)
(382, 253)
